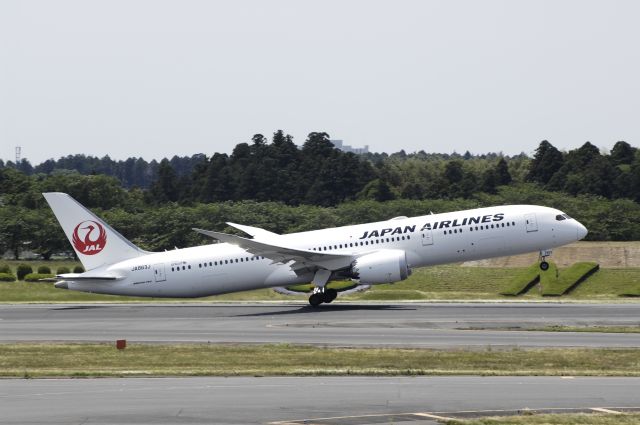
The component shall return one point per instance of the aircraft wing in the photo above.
(301, 259)
(254, 232)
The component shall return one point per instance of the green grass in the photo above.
(555, 419)
(606, 282)
(555, 282)
(49, 360)
(447, 282)
(522, 282)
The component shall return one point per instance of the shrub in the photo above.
(556, 284)
(7, 277)
(44, 270)
(62, 270)
(4, 268)
(523, 282)
(23, 270)
(35, 277)
(78, 269)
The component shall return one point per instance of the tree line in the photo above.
(279, 186)
(318, 174)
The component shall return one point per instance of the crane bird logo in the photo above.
(89, 237)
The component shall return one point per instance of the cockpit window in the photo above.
(560, 217)
(566, 216)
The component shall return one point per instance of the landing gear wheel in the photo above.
(330, 295)
(316, 299)
(544, 266)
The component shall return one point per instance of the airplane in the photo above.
(369, 254)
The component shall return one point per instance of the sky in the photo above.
(160, 78)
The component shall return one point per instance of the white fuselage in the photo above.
(427, 240)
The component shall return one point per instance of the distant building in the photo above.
(348, 148)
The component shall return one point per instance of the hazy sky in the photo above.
(158, 78)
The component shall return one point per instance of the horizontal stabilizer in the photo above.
(85, 276)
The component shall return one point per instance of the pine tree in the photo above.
(546, 162)
(622, 153)
(503, 177)
(165, 188)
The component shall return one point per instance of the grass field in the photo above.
(449, 282)
(76, 360)
(556, 283)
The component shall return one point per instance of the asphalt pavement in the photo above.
(320, 400)
(442, 325)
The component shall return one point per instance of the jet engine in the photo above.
(385, 266)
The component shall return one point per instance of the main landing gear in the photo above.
(544, 266)
(322, 295)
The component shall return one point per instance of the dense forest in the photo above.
(282, 187)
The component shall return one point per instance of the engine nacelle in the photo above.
(386, 266)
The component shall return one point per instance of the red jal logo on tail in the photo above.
(89, 237)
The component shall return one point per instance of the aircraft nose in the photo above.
(581, 231)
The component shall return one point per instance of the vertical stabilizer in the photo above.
(93, 240)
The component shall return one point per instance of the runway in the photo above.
(317, 400)
(345, 400)
(409, 325)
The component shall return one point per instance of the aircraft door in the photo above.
(427, 237)
(531, 223)
(158, 273)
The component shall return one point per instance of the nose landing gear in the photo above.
(544, 266)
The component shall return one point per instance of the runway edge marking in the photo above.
(603, 410)
(432, 416)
